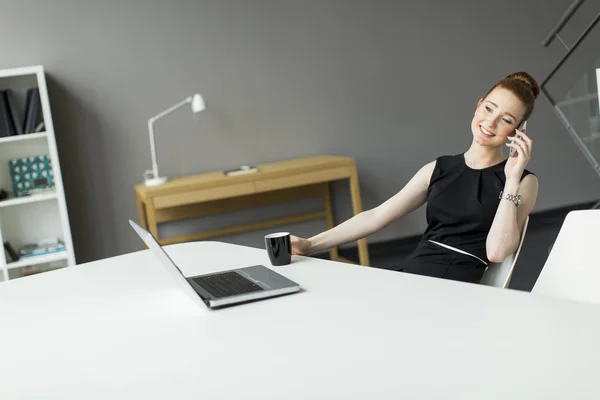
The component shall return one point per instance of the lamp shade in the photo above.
(198, 103)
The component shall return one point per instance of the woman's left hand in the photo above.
(515, 165)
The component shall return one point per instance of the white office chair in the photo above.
(499, 274)
(572, 270)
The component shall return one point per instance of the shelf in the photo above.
(36, 260)
(28, 199)
(18, 72)
(43, 214)
(26, 136)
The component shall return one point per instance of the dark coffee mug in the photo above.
(279, 248)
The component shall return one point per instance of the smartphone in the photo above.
(513, 152)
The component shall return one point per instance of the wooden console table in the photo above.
(212, 193)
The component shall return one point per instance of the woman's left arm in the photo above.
(505, 233)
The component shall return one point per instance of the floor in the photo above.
(541, 233)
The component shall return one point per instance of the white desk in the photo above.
(120, 329)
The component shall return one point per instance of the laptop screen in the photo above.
(163, 257)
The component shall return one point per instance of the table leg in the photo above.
(141, 210)
(363, 251)
(333, 252)
(152, 225)
(148, 219)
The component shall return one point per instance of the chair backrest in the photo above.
(499, 274)
(572, 270)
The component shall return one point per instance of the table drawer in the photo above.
(200, 195)
(300, 179)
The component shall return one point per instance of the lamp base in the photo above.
(155, 181)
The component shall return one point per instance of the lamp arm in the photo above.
(151, 131)
(171, 109)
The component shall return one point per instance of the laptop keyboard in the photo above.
(226, 284)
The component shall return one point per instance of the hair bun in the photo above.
(526, 79)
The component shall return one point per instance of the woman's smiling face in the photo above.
(496, 117)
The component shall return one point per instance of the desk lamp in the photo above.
(151, 177)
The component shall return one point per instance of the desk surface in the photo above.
(268, 170)
(120, 328)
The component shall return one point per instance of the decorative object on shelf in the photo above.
(3, 194)
(30, 270)
(151, 177)
(244, 169)
(31, 174)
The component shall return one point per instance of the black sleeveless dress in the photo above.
(461, 205)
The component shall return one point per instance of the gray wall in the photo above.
(392, 83)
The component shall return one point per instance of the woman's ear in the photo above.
(478, 104)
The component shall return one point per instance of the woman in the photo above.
(477, 201)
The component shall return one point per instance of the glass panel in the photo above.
(574, 91)
(581, 109)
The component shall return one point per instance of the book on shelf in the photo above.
(32, 114)
(10, 251)
(15, 116)
(41, 248)
(6, 128)
(3, 130)
(11, 122)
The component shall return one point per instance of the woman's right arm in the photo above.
(412, 196)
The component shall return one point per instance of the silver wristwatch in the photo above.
(510, 197)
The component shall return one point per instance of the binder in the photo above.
(5, 123)
(33, 110)
(17, 123)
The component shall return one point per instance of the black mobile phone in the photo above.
(513, 152)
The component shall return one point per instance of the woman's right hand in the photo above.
(300, 246)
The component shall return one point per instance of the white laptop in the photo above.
(223, 288)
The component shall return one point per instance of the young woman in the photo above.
(477, 201)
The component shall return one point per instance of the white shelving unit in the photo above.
(38, 217)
